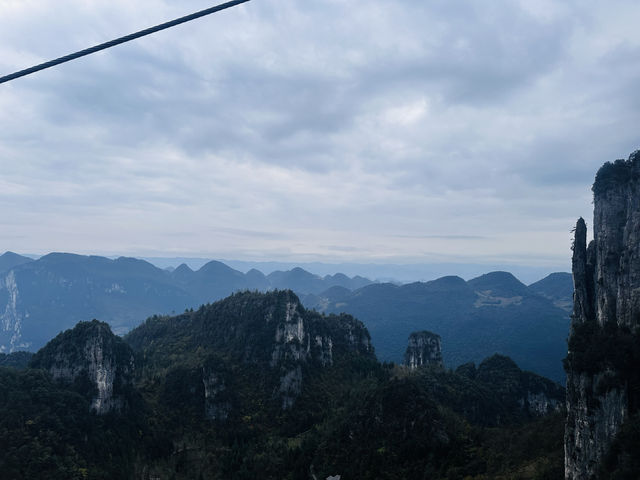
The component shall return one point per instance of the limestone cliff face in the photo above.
(11, 318)
(217, 404)
(606, 308)
(302, 337)
(90, 352)
(267, 337)
(423, 349)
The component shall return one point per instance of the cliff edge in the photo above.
(603, 355)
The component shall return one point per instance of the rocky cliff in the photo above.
(603, 343)
(423, 349)
(98, 363)
(256, 386)
(270, 338)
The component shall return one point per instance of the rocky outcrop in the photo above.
(91, 357)
(423, 349)
(217, 404)
(11, 319)
(605, 321)
(302, 337)
(270, 338)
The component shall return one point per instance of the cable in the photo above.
(118, 41)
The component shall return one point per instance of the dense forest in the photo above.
(257, 386)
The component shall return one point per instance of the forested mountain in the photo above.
(493, 313)
(40, 298)
(8, 260)
(557, 287)
(257, 386)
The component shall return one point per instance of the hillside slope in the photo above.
(256, 386)
(494, 313)
(40, 298)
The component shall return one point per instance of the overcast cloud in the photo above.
(314, 130)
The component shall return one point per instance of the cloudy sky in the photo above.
(316, 130)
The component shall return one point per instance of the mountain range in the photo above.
(494, 313)
(39, 298)
(257, 386)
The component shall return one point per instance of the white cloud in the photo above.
(404, 129)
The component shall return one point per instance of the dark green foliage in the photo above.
(429, 425)
(69, 350)
(594, 349)
(15, 359)
(496, 393)
(48, 432)
(531, 451)
(237, 328)
(467, 370)
(616, 174)
(392, 428)
(622, 461)
(354, 416)
(70, 345)
(507, 317)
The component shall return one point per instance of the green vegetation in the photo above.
(616, 174)
(508, 318)
(613, 354)
(48, 431)
(206, 403)
(594, 349)
(622, 461)
(15, 359)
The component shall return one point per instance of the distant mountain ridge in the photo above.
(489, 314)
(8, 260)
(257, 386)
(493, 313)
(39, 298)
(557, 287)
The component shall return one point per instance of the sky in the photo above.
(314, 131)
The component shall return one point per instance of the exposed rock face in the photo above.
(11, 318)
(424, 349)
(606, 307)
(91, 352)
(216, 403)
(270, 338)
(299, 341)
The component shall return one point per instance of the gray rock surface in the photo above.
(91, 352)
(423, 349)
(607, 297)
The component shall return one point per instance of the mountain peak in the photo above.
(9, 260)
(270, 334)
(90, 352)
(183, 268)
(557, 287)
(503, 284)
